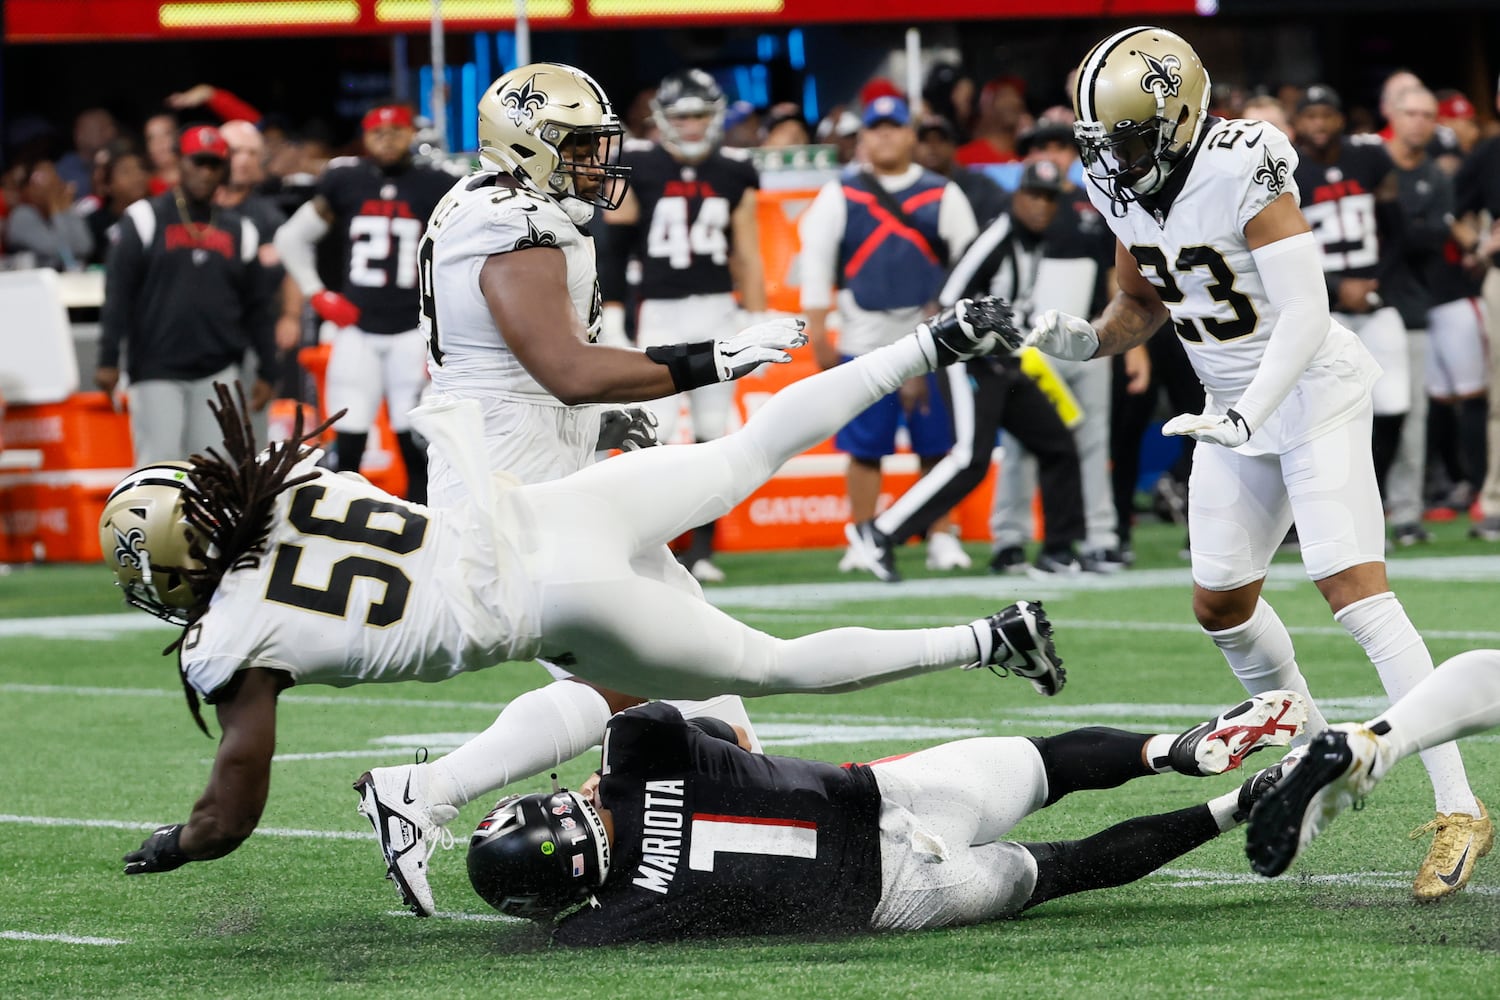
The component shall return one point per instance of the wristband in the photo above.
(691, 365)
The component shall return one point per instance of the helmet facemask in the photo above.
(588, 167)
(1133, 159)
(149, 544)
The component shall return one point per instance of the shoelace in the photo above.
(1437, 824)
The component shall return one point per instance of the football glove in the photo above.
(728, 358)
(157, 853)
(627, 430)
(1063, 336)
(765, 342)
(335, 308)
(1229, 429)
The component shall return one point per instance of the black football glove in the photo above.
(157, 853)
(628, 430)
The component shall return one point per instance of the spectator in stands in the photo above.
(185, 298)
(1265, 108)
(888, 232)
(841, 129)
(161, 149)
(126, 180)
(1002, 117)
(93, 129)
(785, 126)
(936, 143)
(949, 93)
(221, 102)
(1400, 80)
(1456, 114)
(44, 224)
(741, 125)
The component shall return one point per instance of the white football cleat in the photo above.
(945, 552)
(394, 800)
(1268, 719)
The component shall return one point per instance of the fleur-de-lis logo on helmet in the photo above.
(129, 546)
(522, 103)
(1163, 76)
(1272, 173)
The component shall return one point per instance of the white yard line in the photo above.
(125, 824)
(59, 938)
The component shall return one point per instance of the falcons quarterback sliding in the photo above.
(1211, 238)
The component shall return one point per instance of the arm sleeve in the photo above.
(1292, 274)
(294, 245)
(976, 268)
(820, 229)
(612, 248)
(122, 275)
(229, 107)
(716, 728)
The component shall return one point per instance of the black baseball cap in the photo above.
(1042, 176)
(1042, 132)
(1320, 93)
(936, 123)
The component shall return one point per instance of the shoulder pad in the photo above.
(634, 145)
(341, 162)
(735, 153)
(1364, 139)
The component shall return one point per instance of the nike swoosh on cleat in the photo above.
(1451, 879)
(406, 792)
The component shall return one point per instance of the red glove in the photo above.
(335, 308)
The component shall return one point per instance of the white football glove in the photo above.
(765, 342)
(1228, 429)
(1063, 336)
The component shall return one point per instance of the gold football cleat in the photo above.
(1458, 841)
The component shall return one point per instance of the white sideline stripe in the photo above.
(59, 938)
(498, 918)
(317, 699)
(125, 824)
(1196, 878)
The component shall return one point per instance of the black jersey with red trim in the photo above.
(710, 840)
(1338, 200)
(685, 235)
(380, 215)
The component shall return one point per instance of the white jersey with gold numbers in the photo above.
(357, 586)
(481, 216)
(1190, 243)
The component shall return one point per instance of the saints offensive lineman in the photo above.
(377, 205)
(1210, 237)
(510, 306)
(689, 218)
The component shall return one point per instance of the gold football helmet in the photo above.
(1140, 99)
(147, 541)
(553, 128)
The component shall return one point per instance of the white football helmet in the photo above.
(147, 541)
(1141, 98)
(553, 128)
(689, 94)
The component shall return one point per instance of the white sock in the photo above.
(728, 708)
(1155, 754)
(1460, 698)
(1380, 625)
(1223, 809)
(535, 732)
(1260, 653)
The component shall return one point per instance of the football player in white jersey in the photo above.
(1211, 239)
(510, 308)
(282, 573)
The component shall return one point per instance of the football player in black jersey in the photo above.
(687, 834)
(689, 218)
(378, 204)
(1349, 191)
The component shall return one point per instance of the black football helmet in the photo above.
(691, 92)
(536, 855)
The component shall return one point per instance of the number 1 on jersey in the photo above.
(786, 838)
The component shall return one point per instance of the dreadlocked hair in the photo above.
(229, 506)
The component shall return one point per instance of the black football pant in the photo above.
(1172, 373)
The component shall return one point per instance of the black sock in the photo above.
(1096, 757)
(1383, 444)
(1444, 467)
(1123, 853)
(349, 448)
(415, 458)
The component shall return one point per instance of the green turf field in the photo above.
(100, 748)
